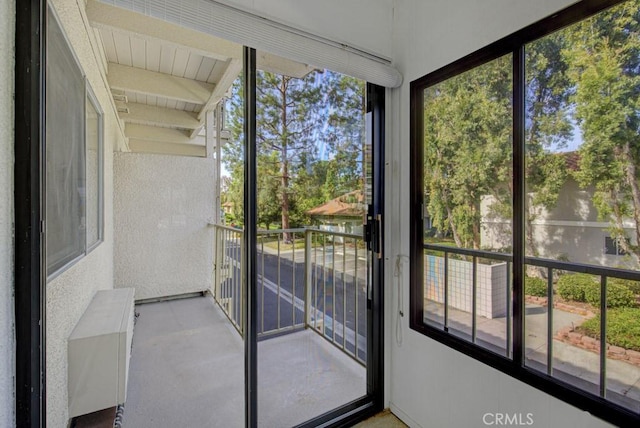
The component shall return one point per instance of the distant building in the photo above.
(570, 231)
(227, 207)
(343, 214)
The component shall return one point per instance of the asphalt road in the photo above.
(338, 282)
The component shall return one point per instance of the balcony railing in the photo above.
(307, 278)
(468, 293)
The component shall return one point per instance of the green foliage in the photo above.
(604, 60)
(634, 286)
(618, 296)
(468, 142)
(623, 328)
(586, 288)
(574, 286)
(467, 122)
(535, 286)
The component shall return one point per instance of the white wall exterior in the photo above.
(163, 205)
(69, 294)
(431, 385)
(7, 334)
(364, 24)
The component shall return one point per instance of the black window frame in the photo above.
(512, 44)
(612, 247)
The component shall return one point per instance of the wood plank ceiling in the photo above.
(164, 78)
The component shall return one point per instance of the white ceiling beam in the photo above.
(143, 114)
(122, 20)
(234, 67)
(230, 74)
(124, 78)
(142, 146)
(161, 135)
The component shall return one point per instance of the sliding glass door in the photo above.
(313, 307)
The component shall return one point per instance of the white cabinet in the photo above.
(99, 350)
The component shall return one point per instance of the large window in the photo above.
(525, 162)
(73, 157)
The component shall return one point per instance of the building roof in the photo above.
(348, 205)
(572, 160)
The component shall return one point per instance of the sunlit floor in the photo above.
(187, 369)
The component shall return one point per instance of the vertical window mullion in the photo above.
(518, 203)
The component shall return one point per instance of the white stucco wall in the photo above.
(163, 204)
(431, 385)
(7, 335)
(69, 293)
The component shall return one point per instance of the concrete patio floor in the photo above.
(187, 369)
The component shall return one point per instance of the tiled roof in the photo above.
(348, 205)
(572, 160)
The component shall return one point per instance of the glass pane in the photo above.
(94, 173)
(65, 153)
(582, 156)
(229, 234)
(623, 339)
(312, 269)
(467, 207)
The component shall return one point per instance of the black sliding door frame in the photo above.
(29, 173)
(250, 297)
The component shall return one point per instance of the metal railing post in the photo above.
(216, 265)
(219, 268)
(307, 277)
(243, 284)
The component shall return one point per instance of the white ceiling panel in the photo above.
(206, 66)
(167, 55)
(157, 73)
(217, 72)
(123, 49)
(138, 52)
(153, 55)
(193, 65)
(109, 45)
(180, 62)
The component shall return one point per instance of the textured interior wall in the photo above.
(7, 336)
(69, 293)
(431, 385)
(364, 24)
(163, 205)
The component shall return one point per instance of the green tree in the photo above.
(233, 151)
(345, 133)
(467, 148)
(295, 118)
(548, 126)
(605, 70)
(288, 114)
(468, 141)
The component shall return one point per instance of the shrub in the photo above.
(634, 286)
(573, 286)
(623, 328)
(535, 286)
(618, 296)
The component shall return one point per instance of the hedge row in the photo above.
(581, 287)
(623, 328)
(535, 286)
